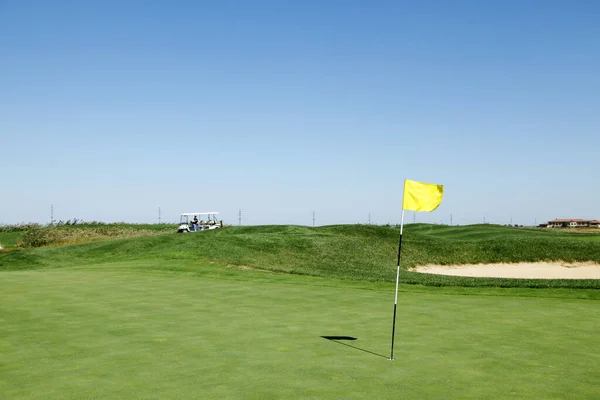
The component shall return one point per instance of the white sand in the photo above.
(542, 270)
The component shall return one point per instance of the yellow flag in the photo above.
(419, 196)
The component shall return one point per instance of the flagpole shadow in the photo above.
(338, 339)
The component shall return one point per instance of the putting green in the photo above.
(110, 331)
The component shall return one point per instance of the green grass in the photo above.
(235, 313)
(10, 239)
(354, 252)
(148, 329)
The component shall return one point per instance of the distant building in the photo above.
(572, 223)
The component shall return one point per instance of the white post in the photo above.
(397, 282)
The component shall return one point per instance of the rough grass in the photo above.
(356, 252)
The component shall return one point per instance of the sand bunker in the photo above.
(542, 270)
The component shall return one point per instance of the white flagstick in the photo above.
(397, 281)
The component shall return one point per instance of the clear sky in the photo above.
(112, 109)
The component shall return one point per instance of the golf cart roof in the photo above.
(203, 213)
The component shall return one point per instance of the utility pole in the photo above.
(450, 219)
(511, 220)
(414, 217)
(313, 218)
(240, 217)
(484, 219)
(369, 218)
(159, 215)
(51, 214)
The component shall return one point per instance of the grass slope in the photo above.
(122, 331)
(357, 252)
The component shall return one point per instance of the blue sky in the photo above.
(110, 110)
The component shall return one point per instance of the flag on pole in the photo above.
(419, 196)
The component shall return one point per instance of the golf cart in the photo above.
(206, 221)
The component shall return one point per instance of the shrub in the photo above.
(38, 236)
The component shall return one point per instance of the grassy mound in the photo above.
(357, 252)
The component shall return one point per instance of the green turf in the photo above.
(234, 314)
(356, 252)
(135, 330)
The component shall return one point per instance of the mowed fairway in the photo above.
(113, 331)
